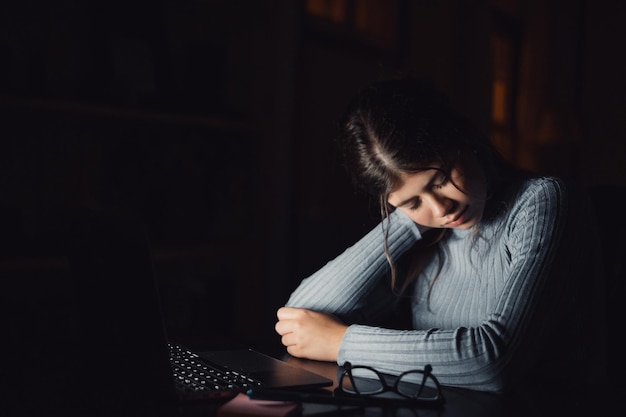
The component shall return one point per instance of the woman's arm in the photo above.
(343, 284)
(535, 300)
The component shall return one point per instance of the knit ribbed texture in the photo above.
(501, 293)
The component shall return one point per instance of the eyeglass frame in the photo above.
(346, 370)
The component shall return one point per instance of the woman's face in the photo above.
(433, 199)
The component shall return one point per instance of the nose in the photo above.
(439, 204)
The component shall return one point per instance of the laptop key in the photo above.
(191, 374)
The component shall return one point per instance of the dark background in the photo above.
(213, 121)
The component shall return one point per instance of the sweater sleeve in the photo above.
(343, 285)
(529, 306)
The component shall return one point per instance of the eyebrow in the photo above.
(409, 200)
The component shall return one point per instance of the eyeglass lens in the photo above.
(367, 382)
(410, 386)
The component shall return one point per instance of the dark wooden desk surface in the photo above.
(458, 402)
(467, 403)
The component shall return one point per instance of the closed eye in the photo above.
(415, 203)
(442, 179)
(437, 180)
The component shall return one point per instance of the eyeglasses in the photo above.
(365, 381)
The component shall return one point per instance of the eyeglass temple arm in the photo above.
(427, 370)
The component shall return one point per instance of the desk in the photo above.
(461, 403)
(468, 403)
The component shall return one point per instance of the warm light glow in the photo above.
(502, 94)
(378, 20)
(501, 56)
(334, 10)
(498, 102)
(371, 21)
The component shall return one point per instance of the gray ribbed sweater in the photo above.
(506, 300)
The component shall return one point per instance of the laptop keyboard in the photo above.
(193, 375)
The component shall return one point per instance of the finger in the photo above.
(294, 351)
(287, 312)
(292, 341)
(283, 327)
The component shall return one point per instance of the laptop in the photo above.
(122, 357)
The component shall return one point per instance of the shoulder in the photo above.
(547, 190)
(530, 200)
(517, 195)
(551, 201)
(557, 193)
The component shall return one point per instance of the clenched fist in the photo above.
(310, 334)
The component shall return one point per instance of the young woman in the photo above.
(499, 268)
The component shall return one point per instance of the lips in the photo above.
(458, 219)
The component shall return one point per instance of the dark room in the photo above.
(187, 151)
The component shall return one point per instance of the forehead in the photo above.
(410, 185)
(414, 180)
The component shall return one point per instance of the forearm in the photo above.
(527, 294)
(469, 358)
(341, 283)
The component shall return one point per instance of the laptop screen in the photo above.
(121, 349)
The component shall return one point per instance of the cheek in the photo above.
(419, 216)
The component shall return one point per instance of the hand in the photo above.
(310, 334)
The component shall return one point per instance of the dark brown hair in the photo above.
(405, 126)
